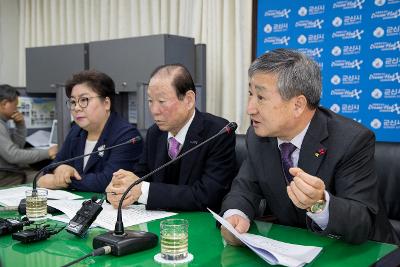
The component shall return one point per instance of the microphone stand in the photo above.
(55, 164)
(126, 242)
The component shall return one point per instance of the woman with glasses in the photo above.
(96, 127)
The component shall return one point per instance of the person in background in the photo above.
(13, 156)
(196, 181)
(313, 167)
(97, 126)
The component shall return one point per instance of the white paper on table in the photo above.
(12, 196)
(272, 251)
(134, 214)
(39, 138)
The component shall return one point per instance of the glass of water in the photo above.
(36, 204)
(174, 239)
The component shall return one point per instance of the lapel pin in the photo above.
(194, 142)
(320, 152)
(101, 154)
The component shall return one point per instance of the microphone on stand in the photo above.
(56, 164)
(125, 242)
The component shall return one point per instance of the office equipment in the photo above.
(85, 216)
(9, 226)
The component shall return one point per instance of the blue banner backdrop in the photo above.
(357, 46)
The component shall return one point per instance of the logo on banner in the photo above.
(386, 14)
(302, 11)
(351, 79)
(392, 93)
(379, 32)
(376, 93)
(337, 22)
(391, 124)
(351, 49)
(350, 108)
(316, 52)
(336, 51)
(275, 13)
(277, 27)
(302, 39)
(309, 24)
(392, 62)
(385, 77)
(356, 34)
(377, 63)
(380, 2)
(343, 93)
(347, 64)
(277, 40)
(385, 46)
(335, 108)
(349, 4)
(385, 108)
(268, 28)
(392, 30)
(335, 79)
(375, 123)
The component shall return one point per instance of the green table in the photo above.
(205, 244)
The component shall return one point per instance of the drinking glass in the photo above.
(174, 239)
(36, 204)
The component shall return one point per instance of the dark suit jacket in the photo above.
(347, 169)
(205, 174)
(99, 168)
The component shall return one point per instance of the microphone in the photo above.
(56, 164)
(126, 242)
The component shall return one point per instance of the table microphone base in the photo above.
(129, 242)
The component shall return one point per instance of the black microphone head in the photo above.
(94, 198)
(231, 127)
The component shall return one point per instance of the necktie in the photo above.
(286, 151)
(173, 149)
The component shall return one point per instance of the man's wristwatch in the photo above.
(318, 206)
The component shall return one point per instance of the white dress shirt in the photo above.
(180, 137)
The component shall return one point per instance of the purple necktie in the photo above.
(173, 149)
(286, 151)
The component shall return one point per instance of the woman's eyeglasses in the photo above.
(83, 102)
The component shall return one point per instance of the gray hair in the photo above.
(297, 74)
(8, 92)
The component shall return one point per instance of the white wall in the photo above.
(9, 42)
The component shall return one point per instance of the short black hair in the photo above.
(98, 81)
(182, 81)
(7, 92)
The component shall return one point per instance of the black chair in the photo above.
(387, 157)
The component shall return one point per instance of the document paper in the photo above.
(272, 251)
(12, 196)
(134, 214)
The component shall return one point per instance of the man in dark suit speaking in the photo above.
(313, 167)
(196, 181)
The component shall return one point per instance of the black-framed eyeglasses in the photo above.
(83, 102)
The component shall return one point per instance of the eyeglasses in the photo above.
(83, 102)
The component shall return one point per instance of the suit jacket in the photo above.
(205, 174)
(346, 167)
(100, 167)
